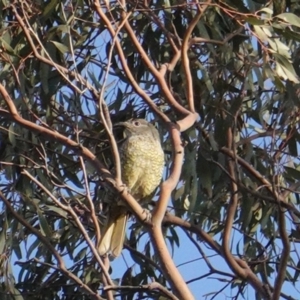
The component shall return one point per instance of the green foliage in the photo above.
(59, 63)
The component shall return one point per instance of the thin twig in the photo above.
(146, 287)
(69, 210)
(46, 242)
(249, 275)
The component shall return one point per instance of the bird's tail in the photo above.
(112, 240)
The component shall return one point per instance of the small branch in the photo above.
(255, 136)
(208, 263)
(146, 287)
(34, 231)
(251, 170)
(250, 276)
(104, 113)
(185, 225)
(196, 40)
(69, 210)
(57, 269)
(144, 257)
(62, 70)
(231, 210)
(185, 57)
(280, 201)
(46, 242)
(90, 201)
(124, 64)
(284, 258)
(160, 79)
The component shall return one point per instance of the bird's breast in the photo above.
(142, 161)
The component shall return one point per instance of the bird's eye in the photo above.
(136, 123)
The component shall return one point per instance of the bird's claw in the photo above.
(125, 189)
(148, 215)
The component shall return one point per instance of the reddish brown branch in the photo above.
(289, 206)
(171, 272)
(249, 276)
(13, 115)
(160, 79)
(91, 203)
(124, 64)
(232, 206)
(185, 58)
(196, 40)
(207, 261)
(284, 258)
(63, 71)
(147, 260)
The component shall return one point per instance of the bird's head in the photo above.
(138, 127)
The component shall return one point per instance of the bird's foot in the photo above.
(125, 189)
(148, 215)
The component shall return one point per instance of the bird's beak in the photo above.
(125, 126)
(122, 124)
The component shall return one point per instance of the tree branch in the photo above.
(12, 114)
(146, 287)
(249, 275)
(284, 258)
(185, 57)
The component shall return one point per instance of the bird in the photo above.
(142, 164)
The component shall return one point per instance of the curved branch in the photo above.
(144, 257)
(104, 113)
(160, 79)
(125, 67)
(13, 114)
(185, 58)
(249, 275)
(90, 201)
(171, 272)
(232, 207)
(284, 258)
(207, 261)
(279, 201)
